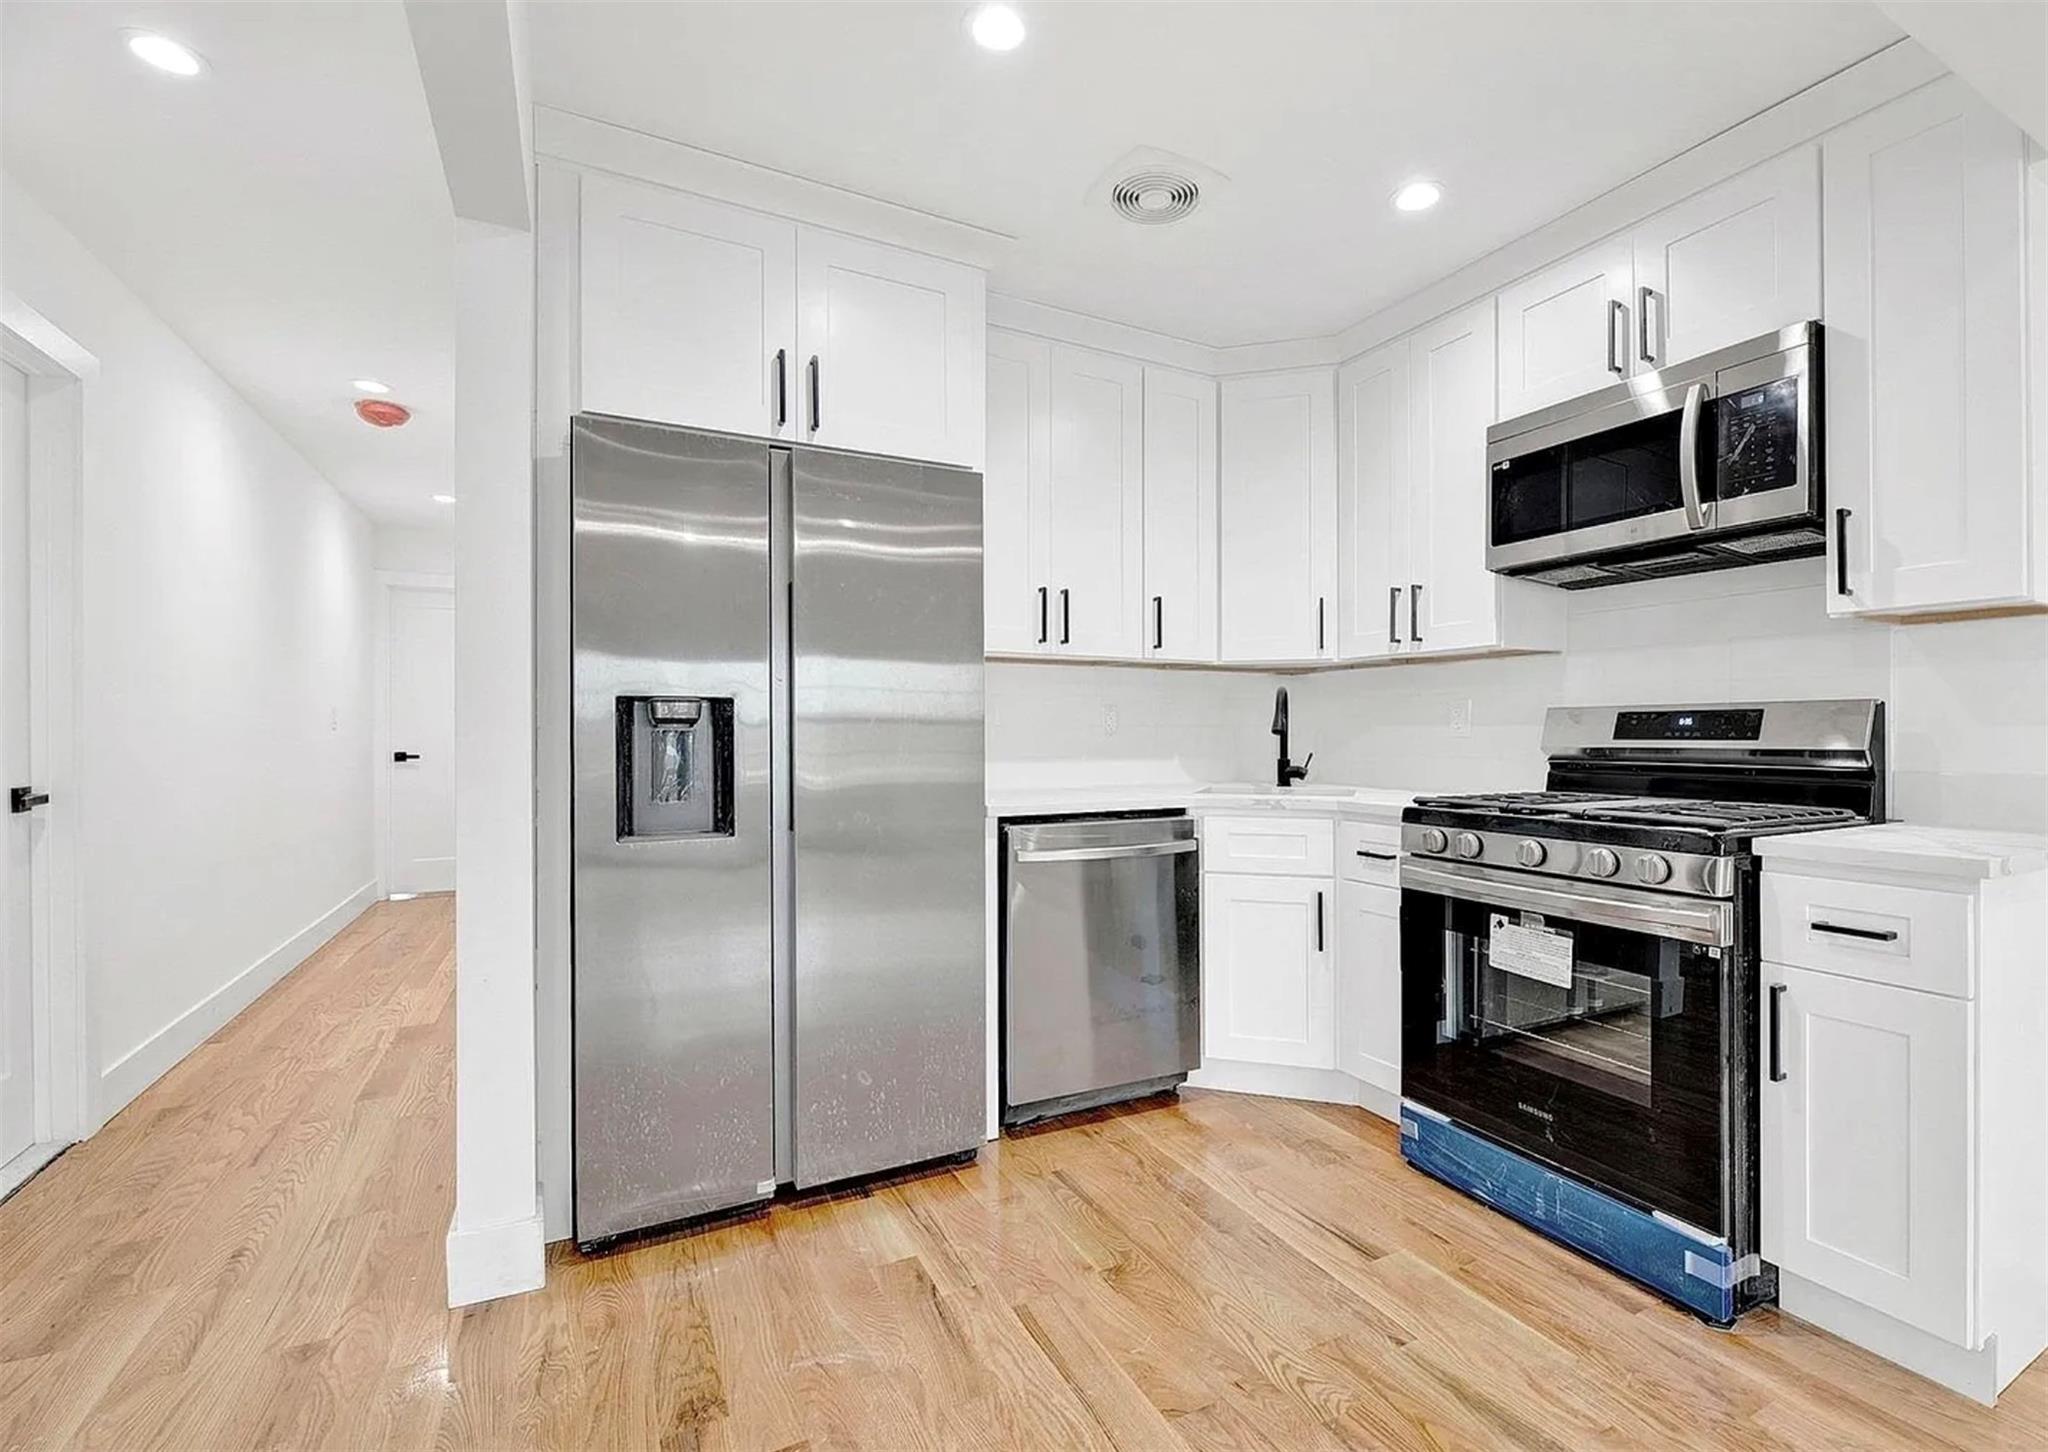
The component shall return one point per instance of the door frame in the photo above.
(389, 583)
(60, 376)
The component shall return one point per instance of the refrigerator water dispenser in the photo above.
(675, 767)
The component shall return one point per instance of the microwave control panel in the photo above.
(1758, 437)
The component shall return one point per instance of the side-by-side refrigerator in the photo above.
(778, 856)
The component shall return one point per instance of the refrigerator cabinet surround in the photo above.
(777, 778)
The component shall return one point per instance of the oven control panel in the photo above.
(1520, 854)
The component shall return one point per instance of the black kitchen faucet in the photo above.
(1286, 773)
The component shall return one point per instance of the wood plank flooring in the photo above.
(250, 1256)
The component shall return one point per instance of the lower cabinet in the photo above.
(1369, 983)
(1268, 985)
(1866, 1135)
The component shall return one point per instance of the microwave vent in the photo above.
(1574, 577)
(1762, 546)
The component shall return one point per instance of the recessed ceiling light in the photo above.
(1418, 196)
(370, 385)
(444, 498)
(996, 27)
(164, 53)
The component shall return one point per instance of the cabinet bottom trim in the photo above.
(1977, 1374)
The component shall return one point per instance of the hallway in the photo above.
(250, 1255)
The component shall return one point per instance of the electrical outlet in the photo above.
(333, 720)
(1109, 722)
(1461, 718)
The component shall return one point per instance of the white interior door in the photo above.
(17, 991)
(421, 652)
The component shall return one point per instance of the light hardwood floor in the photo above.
(250, 1255)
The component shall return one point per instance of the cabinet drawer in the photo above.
(1368, 852)
(1276, 845)
(1909, 936)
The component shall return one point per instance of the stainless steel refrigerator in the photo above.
(778, 856)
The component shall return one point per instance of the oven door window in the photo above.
(1598, 1049)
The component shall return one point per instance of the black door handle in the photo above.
(25, 799)
(1414, 612)
(1842, 553)
(1777, 1064)
(1319, 922)
(1159, 622)
(781, 387)
(405, 756)
(1042, 629)
(817, 408)
(1066, 619)
(1319, 623)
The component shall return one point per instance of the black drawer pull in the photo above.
(1378, 856)
(1874, 935)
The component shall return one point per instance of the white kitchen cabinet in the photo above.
(1369, 983)
(1928, 294)
(1565, 330)
(1267, 970)
(688, 310)
(1095, 512)
(1180, 516)
(891, 344)
(1278, 506)
(1372, 502)
(1866, 1145)
(1016, 494)
(1728, 263)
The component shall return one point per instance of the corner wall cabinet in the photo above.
(1278, 592)
(1180, 517)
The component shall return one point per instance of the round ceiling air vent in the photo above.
(1153, 197)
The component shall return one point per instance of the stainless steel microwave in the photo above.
(1703, 465)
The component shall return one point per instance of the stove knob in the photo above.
(1602, 863)
(1652, 869)
(1530, 853)
(1434, 840)
(1469, 844)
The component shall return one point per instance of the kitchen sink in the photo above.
(1237, 790)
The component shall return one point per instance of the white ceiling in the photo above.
(1315, 113)
(285, 212)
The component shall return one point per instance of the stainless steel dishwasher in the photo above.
(1101, 963)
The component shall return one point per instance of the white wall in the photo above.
(224, 693)
(414, 549)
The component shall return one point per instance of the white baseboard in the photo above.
(1976, 1374)
(149, 1060)
(489, 1261)
(1285, 1081)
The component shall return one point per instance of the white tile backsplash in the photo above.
(1968, 700)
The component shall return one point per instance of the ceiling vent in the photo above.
(1153, 197)
(1151, 187)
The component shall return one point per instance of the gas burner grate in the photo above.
(1716, 816)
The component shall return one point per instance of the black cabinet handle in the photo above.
(1319, 623)
(1319, 922)
(405, 756)
(1617, 316)
(1415, 613)
(1393, 615)
(817, 406)
(1378, 856)
(1842, 930)
(781, 387)
(1066, 618)
(1159, 622)
(1777, 1062)
(1842, 554)
(1042, 626)
(25, 799)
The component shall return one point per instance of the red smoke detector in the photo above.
(381, 414)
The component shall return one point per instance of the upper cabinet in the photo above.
(1179, 621)
(892, 348)
(688, 310)
(1726, 264)
(1016, 494)
(1928, 379)
(697, 313)
(1278, 515)
(1412, 495)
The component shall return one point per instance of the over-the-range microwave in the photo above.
(1706, 464)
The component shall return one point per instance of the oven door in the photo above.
(1582, 1025)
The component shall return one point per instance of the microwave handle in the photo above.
(1689, 456)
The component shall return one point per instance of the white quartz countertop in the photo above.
(1904, 847)
(1317, 799)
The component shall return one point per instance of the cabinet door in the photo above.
(892, 346)
(1016, 488)
(1369, 984)
(1454, 602)
(1737, 260)
(1266, 970)
(1372, 491)
(1865, 1145)
(1565, 330)
(1925, 355)
(688, 310)
(1097, 503)
(1180, 516)
(1279, 515)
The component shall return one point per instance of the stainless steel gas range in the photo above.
(1581, 1028)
